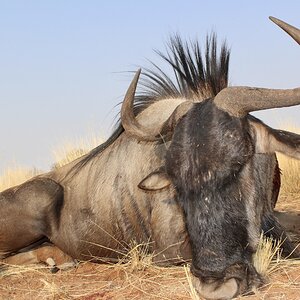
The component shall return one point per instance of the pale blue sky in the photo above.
(61, 62)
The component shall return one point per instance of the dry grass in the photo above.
(267, 250)
(15, 176)
(138, 257)
(133, 278)
(73, 150)
(54, 291)
(137, 278)
(290, 169)
(289, 197)
(7, 270)
(192, 291)
(282, 274)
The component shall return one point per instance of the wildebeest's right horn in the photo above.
(137, 130)
(128, 119)
(291, 30)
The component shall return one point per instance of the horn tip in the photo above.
(294, 32)
(137, 73)
(274, 20)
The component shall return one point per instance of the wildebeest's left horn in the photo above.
(291, 30)
(238, 101)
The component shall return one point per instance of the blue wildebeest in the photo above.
(188, 169)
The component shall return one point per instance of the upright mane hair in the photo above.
(194, 77)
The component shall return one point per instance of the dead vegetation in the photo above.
(73, 150)
(290, 178)
(267, 251)
(135, 277)
(63, 155)
(16, 175)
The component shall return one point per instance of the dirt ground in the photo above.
(95, 281)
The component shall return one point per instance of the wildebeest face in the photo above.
(207, 162)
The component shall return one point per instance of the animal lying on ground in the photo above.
(188, 169)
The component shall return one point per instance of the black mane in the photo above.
(194, 77)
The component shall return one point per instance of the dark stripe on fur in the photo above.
(140, 219)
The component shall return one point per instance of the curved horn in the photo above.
(137, 130)
(128, 119)
(291, 30)
(238, 101)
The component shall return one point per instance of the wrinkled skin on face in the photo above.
(210, 164)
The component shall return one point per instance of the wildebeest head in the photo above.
(211, 164)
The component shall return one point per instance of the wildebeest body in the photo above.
(109, 207)
(129, 212)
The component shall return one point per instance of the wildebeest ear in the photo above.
(269, 140)
(155, 181)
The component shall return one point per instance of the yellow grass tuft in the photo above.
(16, 176)
(138, 257)
(73, 150)
(290, 179)
(290, 168)
(70, 151)
(7, 270)
(267, 250)
(53, 291)
(193, 293)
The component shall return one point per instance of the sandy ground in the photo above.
(95, 281)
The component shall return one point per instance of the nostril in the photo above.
(216, 289)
